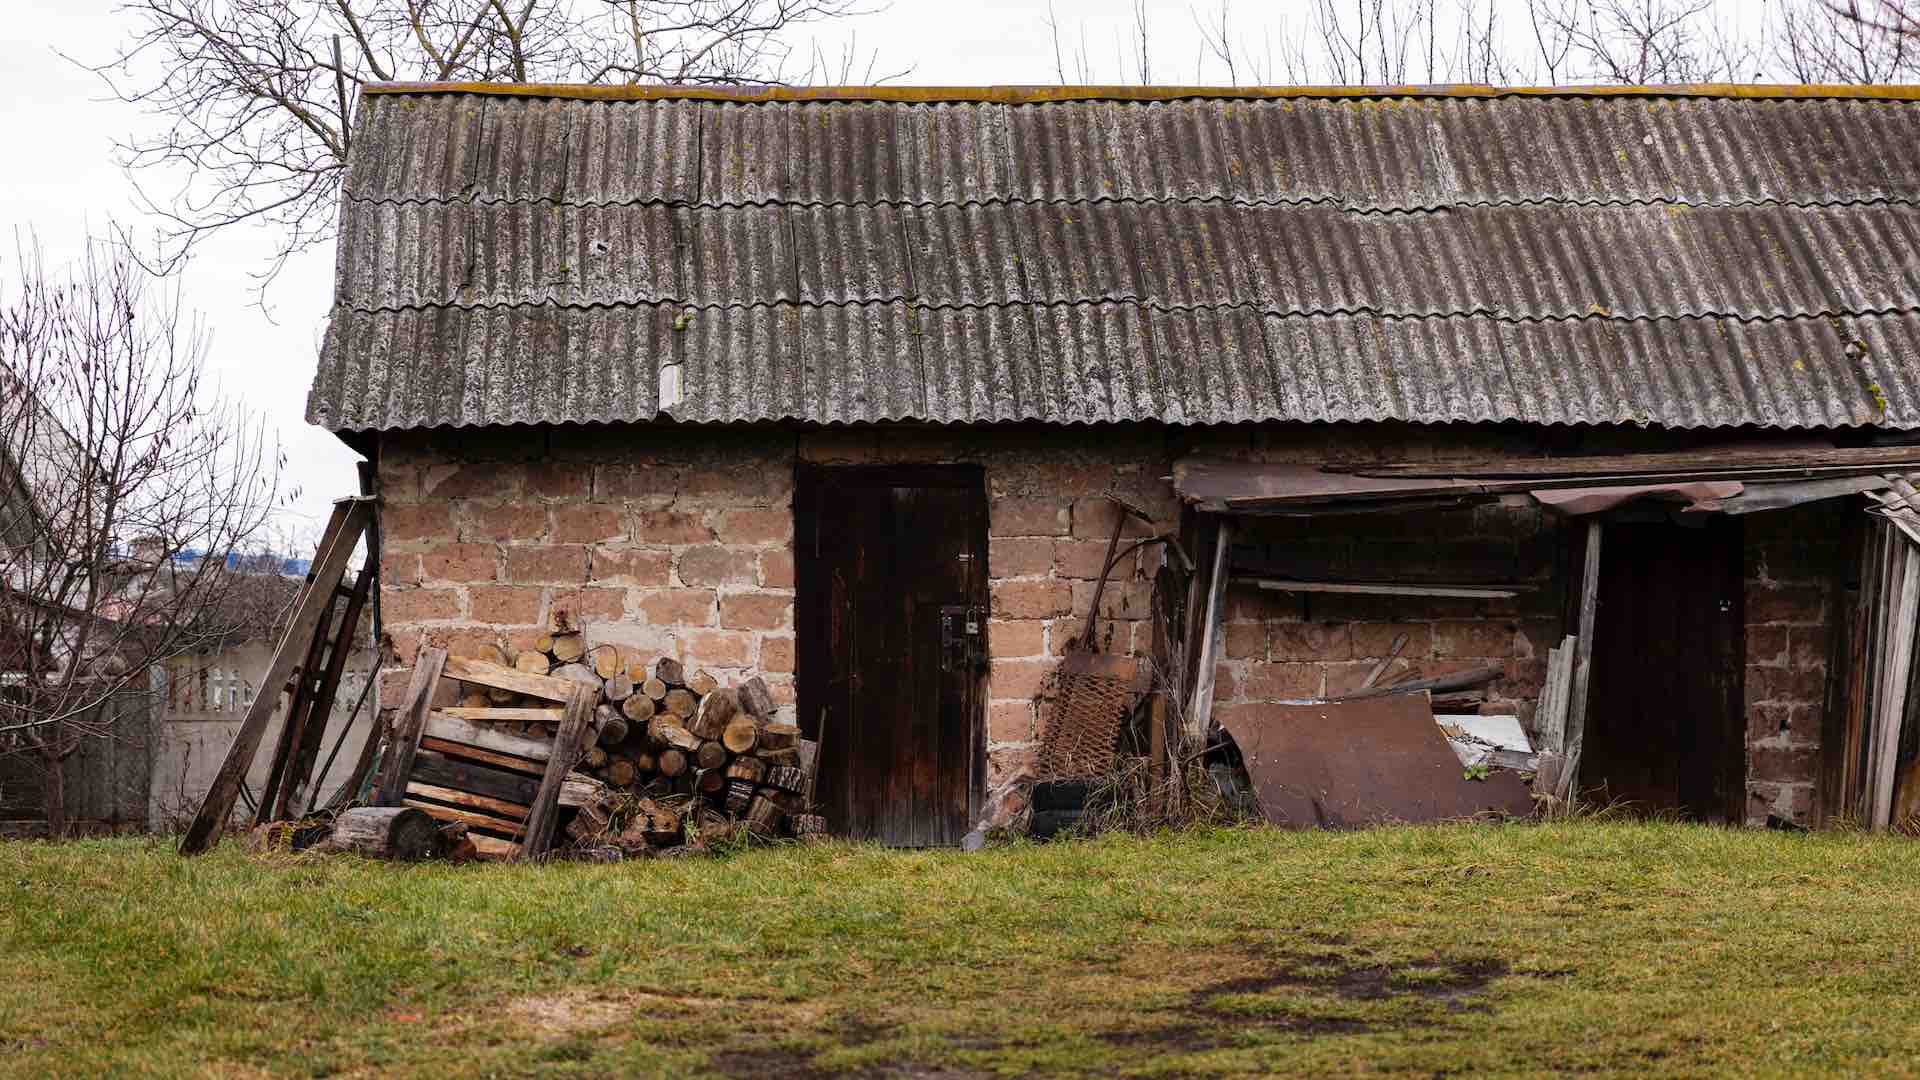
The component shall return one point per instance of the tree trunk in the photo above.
(56, 793)
(389, 832)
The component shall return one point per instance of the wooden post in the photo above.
(410, 721)
(350, 517)
(1582, 662)
(319, 710)
(575, 728)
(1200, 711)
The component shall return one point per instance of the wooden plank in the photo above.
(575, 728)
(454, 729)
(1863, 457)
(1200, 711)
(1577, 690)
(1459, 680)
(491, 847)
(466, 817)
(482, 804)
(464, 752)
(409, 724)
(343, 531)
(514, 787)
(494, 676)
(502, 715)
(1375, 588)
(1890, 713)
(319, 710)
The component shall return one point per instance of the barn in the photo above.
(851, 389)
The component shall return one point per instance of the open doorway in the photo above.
(1665, 727)
(891, 623)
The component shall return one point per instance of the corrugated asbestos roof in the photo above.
(1675, 258)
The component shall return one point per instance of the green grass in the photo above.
(1595, 947)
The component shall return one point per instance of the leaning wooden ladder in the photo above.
(310, 657)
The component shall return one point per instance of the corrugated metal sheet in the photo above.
(1685, 262)
(1090, 363)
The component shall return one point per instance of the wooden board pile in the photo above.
(680, 760)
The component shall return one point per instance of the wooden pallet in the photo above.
(505, 788)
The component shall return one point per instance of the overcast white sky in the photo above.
(63, 178)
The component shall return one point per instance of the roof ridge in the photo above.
(1040, 95)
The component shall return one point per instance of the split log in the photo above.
(780, 736)
(786, 778)
(739, 795)
(568, 648)
(788, 756)
(543, 643)
(672, 763)
(533, 663)
(703, 683)
(756, 698)
(681, 703)
(389, 832)
(670, 671)
(595, 758)
(581, 674)
(613, 730)
(619, 687)
(667, 733)
(638, 707)
(763, 815)
(637, 670)
(710, 781)
(804, 825)
(711, 755)
(716, 710)
(741, 735)
(748, 769)
(654, 689)
(645, 762)
(579, 789)
(621, 772)
(607, 661)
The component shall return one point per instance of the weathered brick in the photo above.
(1345, 676)
(1084, 558)
(644, 484)
(1029, 517)
(776, 654)
(1375, 640)
(1259, 605)
(1031, 599)
(1311, 641)
(755, 528)
(1783, 764)
(720, 648)
(1807, 648)
(464, 640)
(406, 643)
(1019, 556)
(393, 687)
(1246, 641)
(1120, 600)
(755, 611)
(1010, 721)
(716, 565)
(647, 567)
(1094, 517)
(590, 605)
(1766, 646)
(505, 604)
(405, 523)
(1226, 683)
(460, 562)
(584, 523)
(1805, 605)
(491, 480)
(678, 607)
(419, 605)
(751, 484)
(518, 520)
(674, 527)
(551, 564)
(1017, 637)
(399, 568)
(1767, 720)
(776, 570)
(1020, 679)
(1280, 681)
(1469, 638)
(1785, 685)
(551, 479)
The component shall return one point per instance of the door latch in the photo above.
(962, 636)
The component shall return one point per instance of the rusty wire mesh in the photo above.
(1084, 730)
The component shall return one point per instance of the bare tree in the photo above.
(256, 97)
(1846, 41)
(127, 486)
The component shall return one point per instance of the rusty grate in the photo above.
(1084, 730)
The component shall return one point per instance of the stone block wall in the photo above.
(1790, 611)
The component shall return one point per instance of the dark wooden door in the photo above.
(891, 607)
(1666, 724)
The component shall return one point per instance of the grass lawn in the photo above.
(1593, 947)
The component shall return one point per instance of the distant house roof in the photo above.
(1682, 257)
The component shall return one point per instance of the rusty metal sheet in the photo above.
(1375, 761)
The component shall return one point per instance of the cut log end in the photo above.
(389, 832)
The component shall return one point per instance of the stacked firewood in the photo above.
(680, 758)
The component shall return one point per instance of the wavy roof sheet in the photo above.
(1685, 257)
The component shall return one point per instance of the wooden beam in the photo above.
(1582, 662)
(454, 729)
(343, 531)
(409, 724)
(483, 804)
(507, 714)
(494, 676)
(1375, 588)
(1200, 710)
(575, 728)
(470, 818)
(483, 757)
(1685, 461)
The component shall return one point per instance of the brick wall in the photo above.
(1791, 556)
